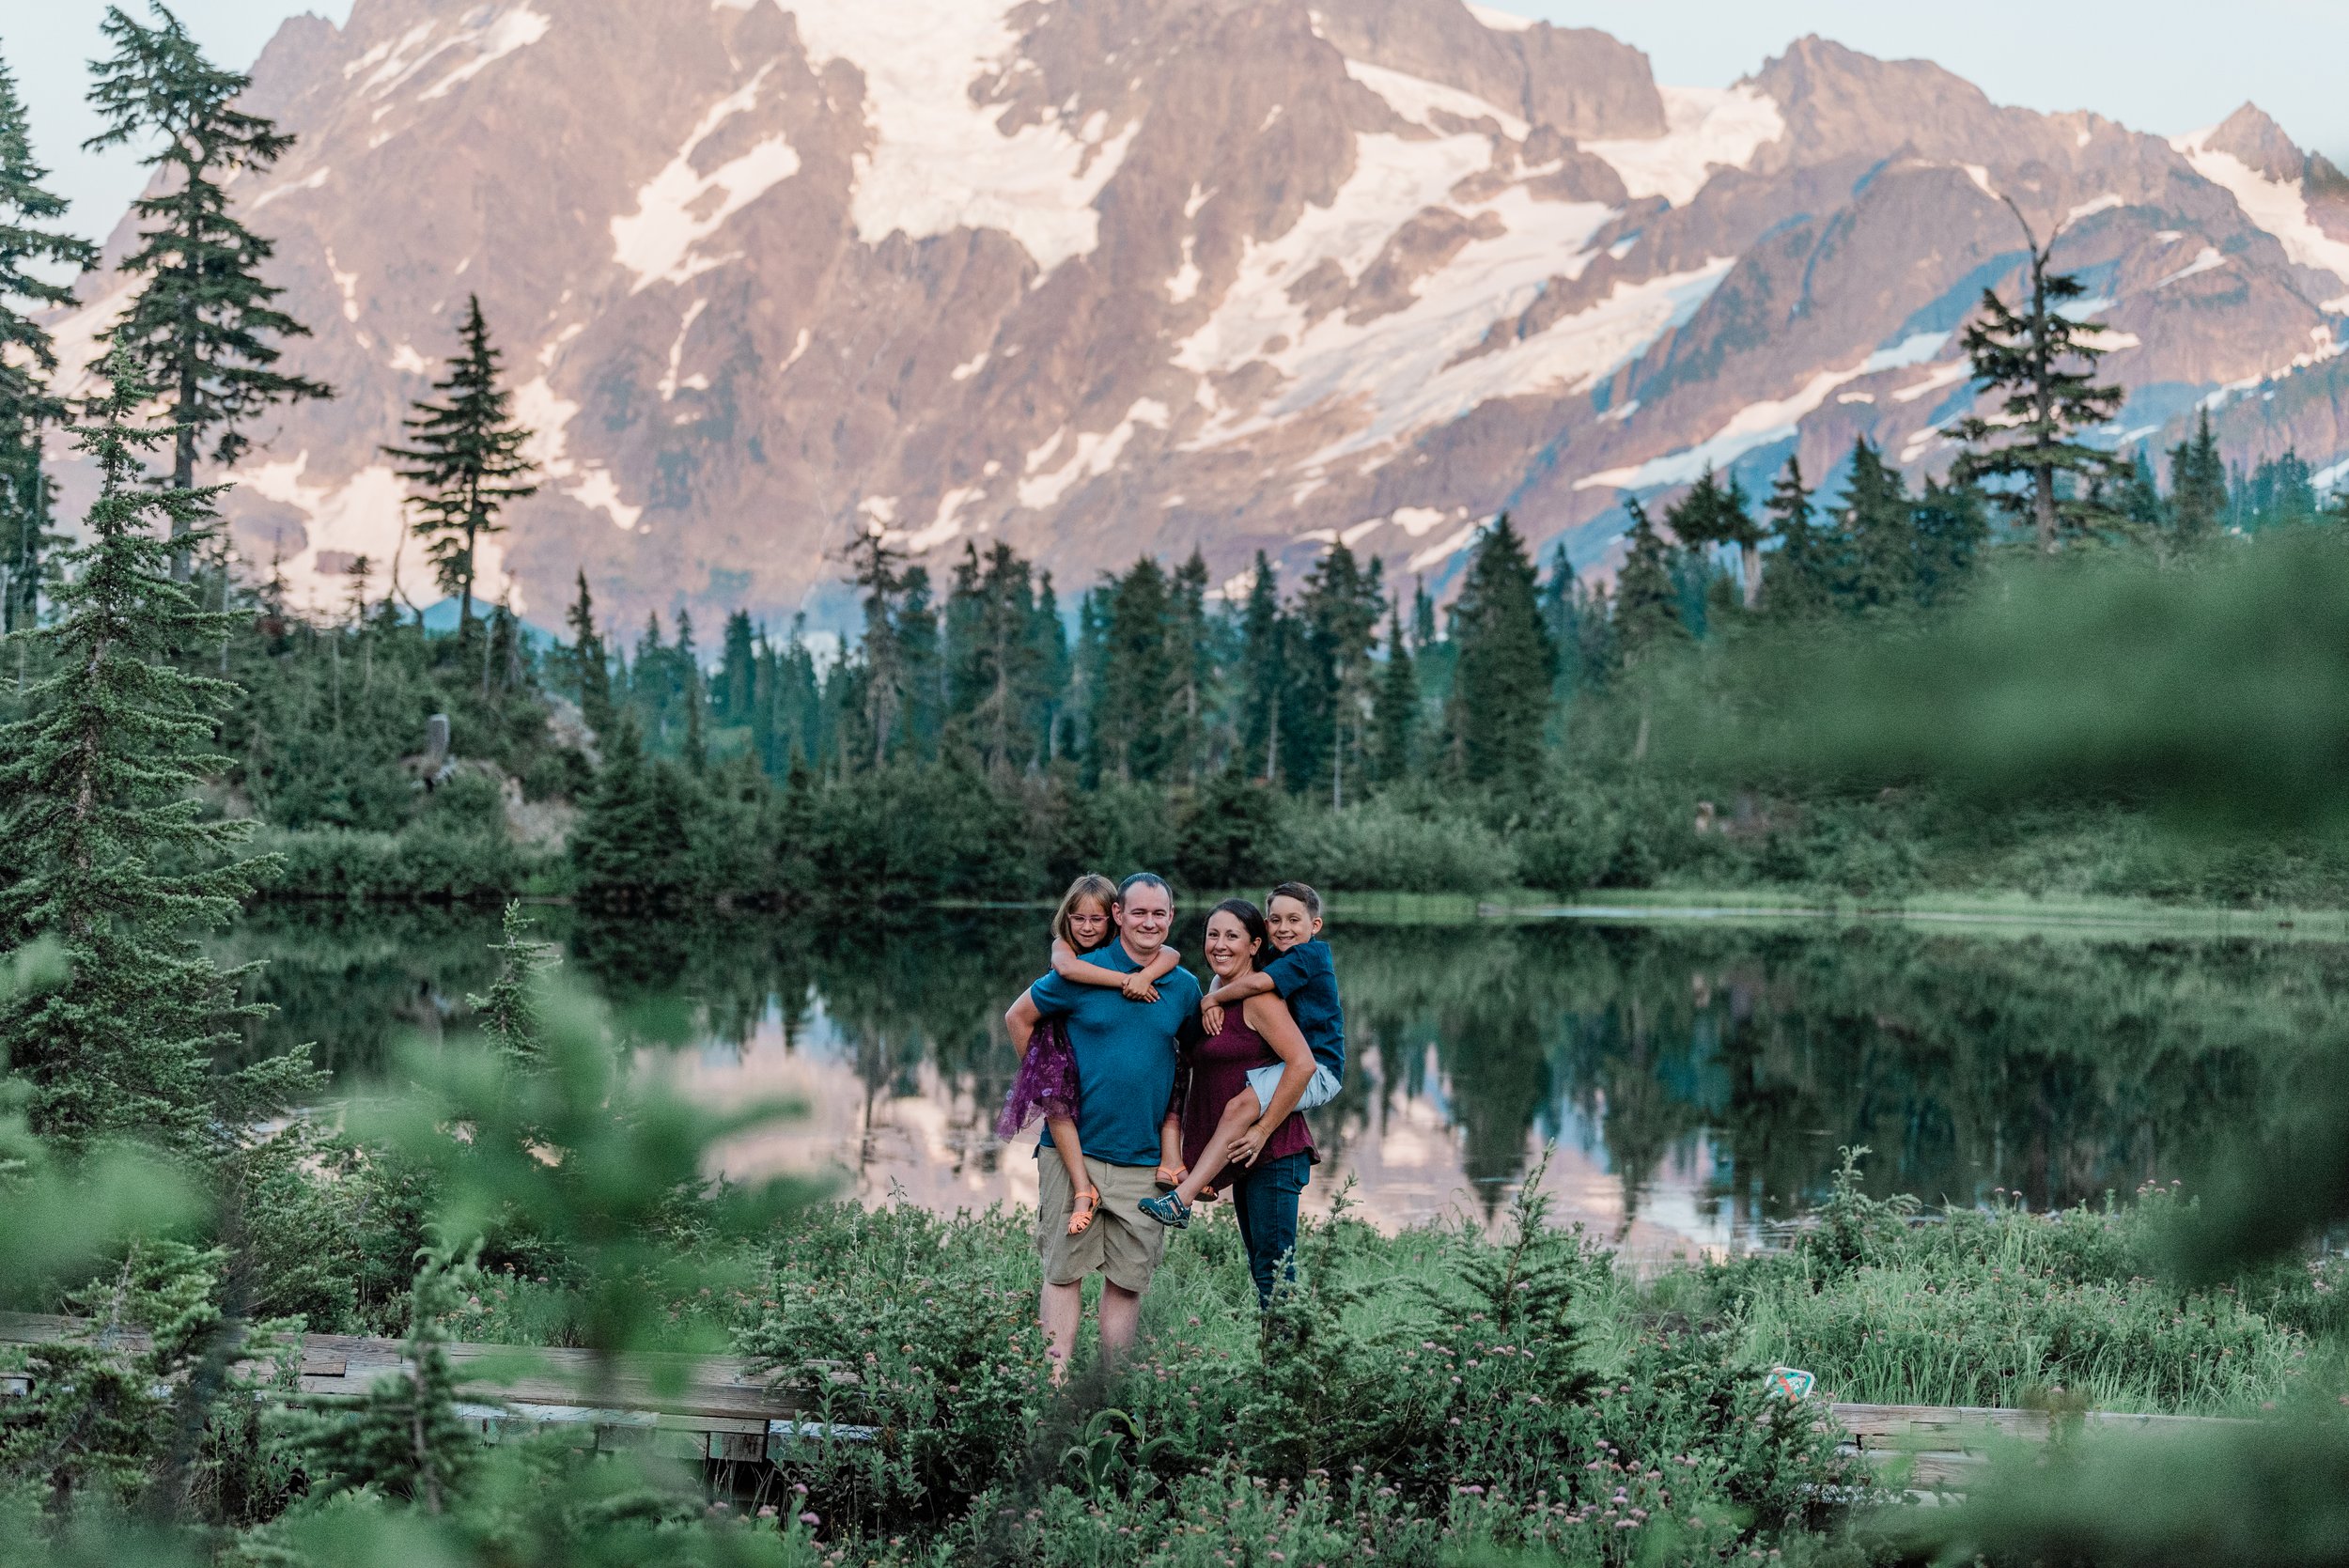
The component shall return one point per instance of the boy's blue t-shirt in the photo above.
(1124, 1055)
(1308, 982)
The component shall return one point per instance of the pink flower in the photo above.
(808, 1519)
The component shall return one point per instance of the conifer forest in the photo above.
(1871, 940)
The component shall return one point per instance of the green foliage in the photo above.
(511, 1013)
(402, 1437)
(468, 462)
(33, 254)
(203, 327)
(888, 1319)
(2041, 365)
(1396, 843)
(571, 1150)
(96, 792)
(1500, 682)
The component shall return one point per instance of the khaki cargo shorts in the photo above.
(1123, 1244)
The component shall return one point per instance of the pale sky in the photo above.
(2164, 66)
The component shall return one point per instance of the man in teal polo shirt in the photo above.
(1125, 1054)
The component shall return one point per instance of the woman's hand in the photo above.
(1138, 988)
(1244, 1149)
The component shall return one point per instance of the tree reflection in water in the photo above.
(2058, 1065)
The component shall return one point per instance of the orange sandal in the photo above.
(1172, 1177)
(1089, 1204)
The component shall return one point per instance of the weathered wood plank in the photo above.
(706, 1393)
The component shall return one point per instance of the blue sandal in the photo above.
(1167, 1208)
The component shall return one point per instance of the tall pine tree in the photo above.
(32, 252)
(1879, 535)
(2054, 481)
(1263, 669)
(1339, 609)
(1798, 581)
(1500, 684)
(590, 663)
(1647, 602)
(1714, 514)
(468, 462)
(203, 327)
(2198, 484)
(121, 864)
(876, 567)
(1394, 711)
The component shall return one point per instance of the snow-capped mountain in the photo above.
(1106, 277)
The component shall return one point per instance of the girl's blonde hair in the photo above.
(1090, 885)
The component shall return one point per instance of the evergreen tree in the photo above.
(119, 861)
(590, 663)
(1422, 616)
(731, 701)
(1339, 609)
(1047, 636)
(999, 664)
(403, 1436)
(1263, 669)
(2032, 444)
(30, 250)
(1798, 583)
(1191, 649)
(1130, 716)
(876, 568)
(2198, 484)
(924, 704)
(1879, 535)
(1500, 684)
(631, 843)
(203, 328)
(469, 461)
(1647, 604)
(2140, 498)
(1712, 514)
(1394, 715)
(509, 1012)
(1952, 527)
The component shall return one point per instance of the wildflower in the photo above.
(808, 1518)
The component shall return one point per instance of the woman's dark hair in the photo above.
(1251, 920)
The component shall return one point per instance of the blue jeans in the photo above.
(1264, 1200)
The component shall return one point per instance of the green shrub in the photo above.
(1389, 846)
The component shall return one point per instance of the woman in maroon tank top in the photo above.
(1271, 1158)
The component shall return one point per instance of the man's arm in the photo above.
(1020, 1021)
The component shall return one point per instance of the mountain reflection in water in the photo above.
(1697, 1083)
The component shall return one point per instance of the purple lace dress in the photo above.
(1047, 1084)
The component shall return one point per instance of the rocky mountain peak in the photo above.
(1106, 277)
(2250, 137)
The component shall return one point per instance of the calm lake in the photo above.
(1696, 1082)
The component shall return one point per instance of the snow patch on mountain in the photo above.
(1762, 423)
(1095, 453)
(490, 32)
(1392, 179)
(1417, 99)
(508, 32)
(549, 414)
(2271, 204)
(680, 208)
(1707, 127)
(940, 162)
(2208, 259)
(362, 514)
(1500, 20)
